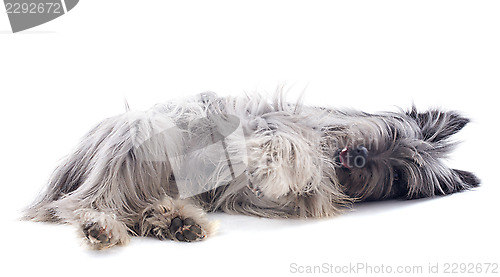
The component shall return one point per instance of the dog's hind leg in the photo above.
(176, 220)
(100, 229)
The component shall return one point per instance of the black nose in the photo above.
(353, 157)
(360, 151)
(359, 155)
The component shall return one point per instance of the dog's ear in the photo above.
(467, 177)
(437, 125)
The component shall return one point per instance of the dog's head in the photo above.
(399, 155)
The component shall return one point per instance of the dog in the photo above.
(157, 173)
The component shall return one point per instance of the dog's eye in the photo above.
(397, 175)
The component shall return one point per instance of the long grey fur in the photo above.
(119, 182)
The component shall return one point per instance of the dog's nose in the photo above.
(353, 157)
(359, 155)
(360, 151)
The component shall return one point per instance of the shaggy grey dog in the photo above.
(156, 173)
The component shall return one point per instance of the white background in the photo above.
(59, 79)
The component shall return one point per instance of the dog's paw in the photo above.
(96, 234)
(101, 231)
(186, 230)
(256, 190)
(175, 220)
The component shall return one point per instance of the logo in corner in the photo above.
(26, 14)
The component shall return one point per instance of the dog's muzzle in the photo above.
(352, 157)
